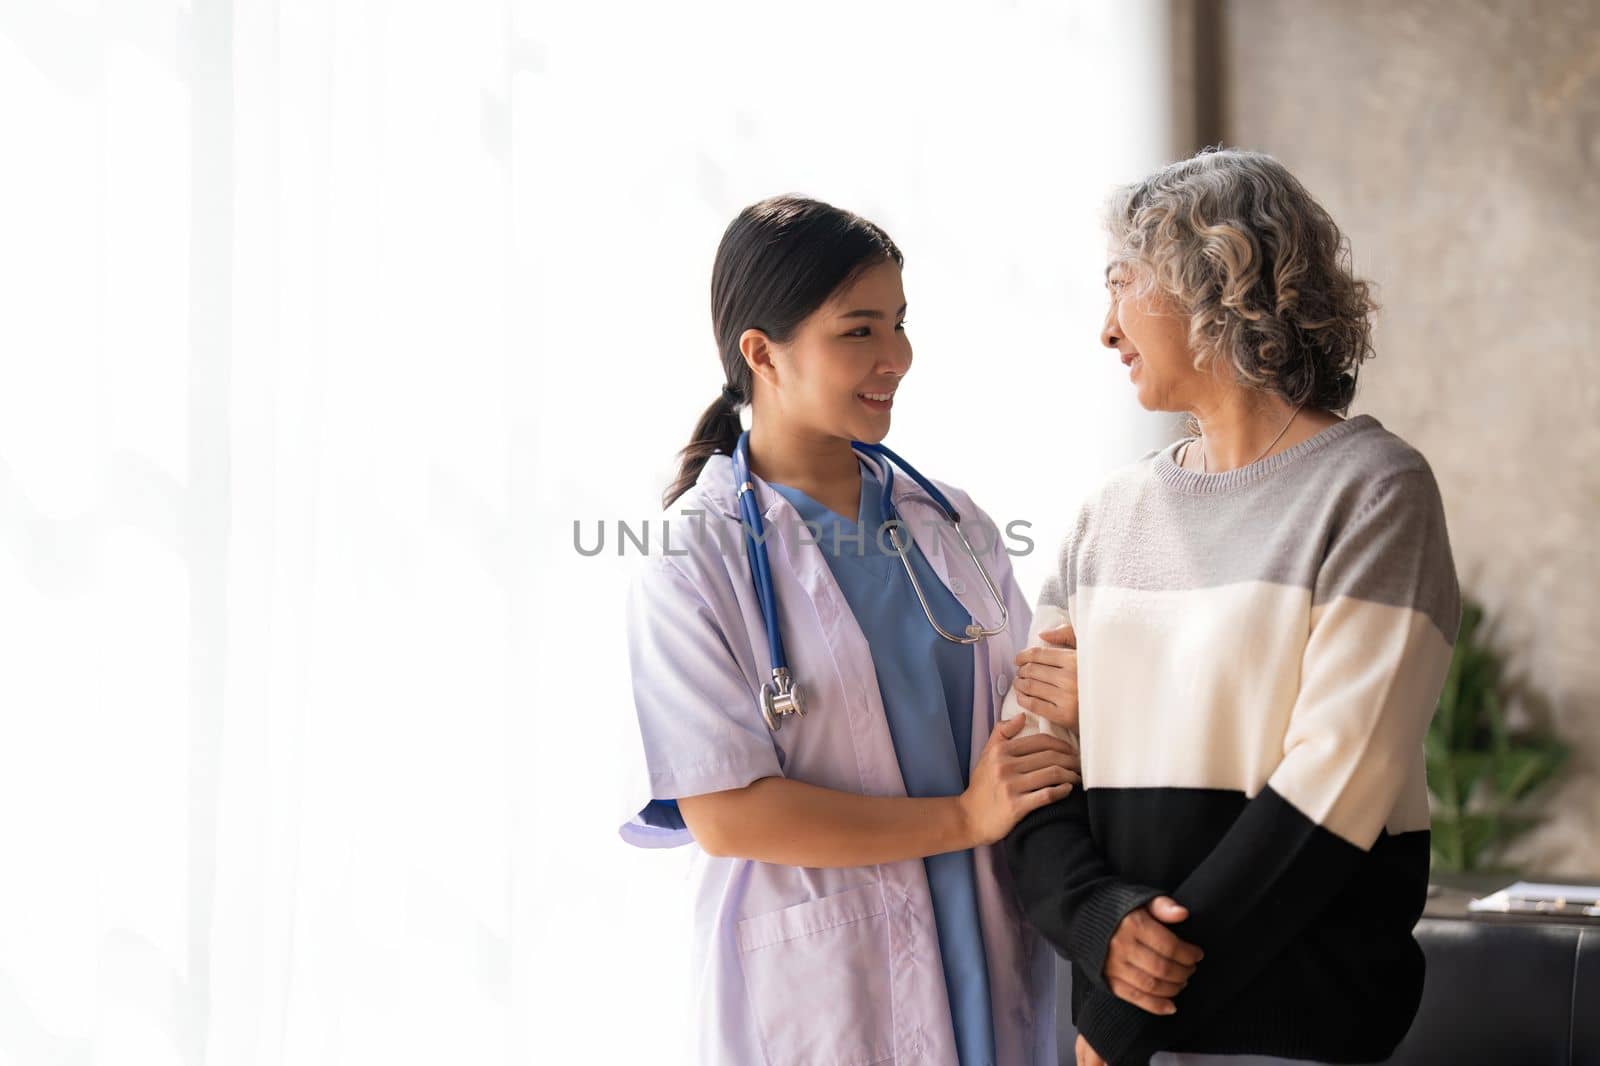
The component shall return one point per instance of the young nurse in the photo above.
(820, 716)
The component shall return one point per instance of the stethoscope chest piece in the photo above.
(780, 698)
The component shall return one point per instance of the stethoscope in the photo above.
(781, 696)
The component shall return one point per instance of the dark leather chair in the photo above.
(1498, 993)
(1518, 993)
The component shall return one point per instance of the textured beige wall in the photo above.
(1458, 144)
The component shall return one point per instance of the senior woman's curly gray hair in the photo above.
(1239, 244)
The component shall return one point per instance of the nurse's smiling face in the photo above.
(837, 374)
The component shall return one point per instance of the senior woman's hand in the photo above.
(1148, 964)
(1047, 678)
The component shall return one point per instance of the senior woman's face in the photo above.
(1152, 336)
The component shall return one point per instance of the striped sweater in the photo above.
(1260, 652)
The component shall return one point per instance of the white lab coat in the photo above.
(796, 965)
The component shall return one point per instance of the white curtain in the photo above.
(324, 322)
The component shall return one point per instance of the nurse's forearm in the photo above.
(792, 823)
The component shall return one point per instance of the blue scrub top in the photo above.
(930, 721)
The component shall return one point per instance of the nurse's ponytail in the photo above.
(778, 262)
(717, 431)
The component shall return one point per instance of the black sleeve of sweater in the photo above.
(1272, 871)
(1383, 622)
(1068, 891)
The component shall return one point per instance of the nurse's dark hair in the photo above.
(779, 261)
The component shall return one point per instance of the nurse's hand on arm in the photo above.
(793, 823)
(1047, 678)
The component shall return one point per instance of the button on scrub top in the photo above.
(926, 685)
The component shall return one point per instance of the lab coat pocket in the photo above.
(818, 978)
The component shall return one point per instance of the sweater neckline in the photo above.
(1198, 484)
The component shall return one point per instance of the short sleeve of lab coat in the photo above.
(698, 719)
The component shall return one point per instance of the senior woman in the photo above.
(1264, 612)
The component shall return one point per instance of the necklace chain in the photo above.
(1204, 466)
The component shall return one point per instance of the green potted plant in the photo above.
(1479, 774)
